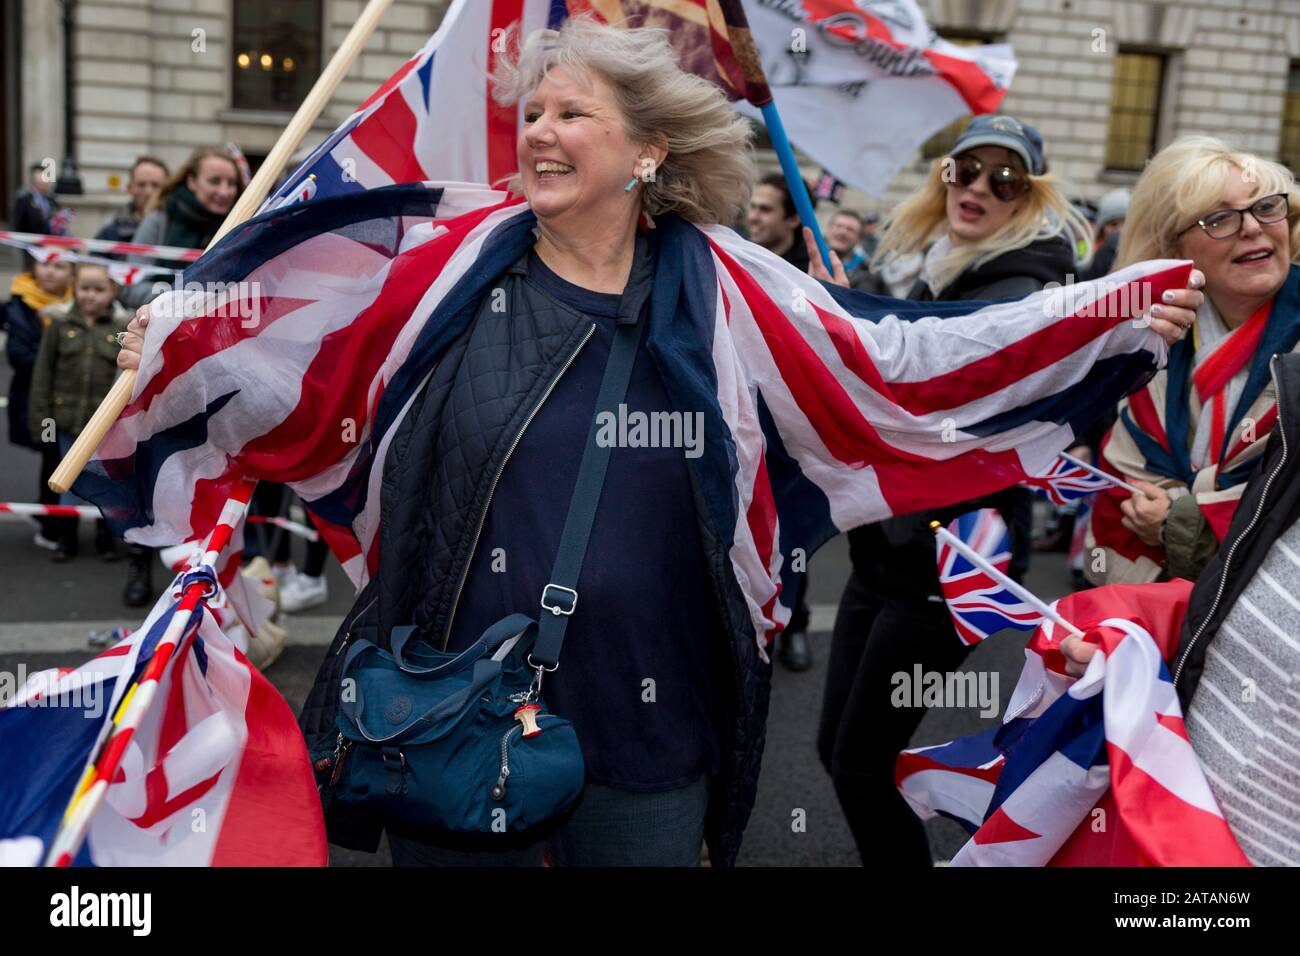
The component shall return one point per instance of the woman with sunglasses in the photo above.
(1191, 439)
(991, 224)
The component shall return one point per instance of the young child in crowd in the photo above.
(74, 369)
(48, 283)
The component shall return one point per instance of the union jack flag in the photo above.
(954, 780)
(824, 408)
(979, 605)
(1112, 740)
(216, 772)
(1064, 482)
(409, 130)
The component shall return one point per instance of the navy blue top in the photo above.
(646, 610)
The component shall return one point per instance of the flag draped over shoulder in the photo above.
(824, 408)
(1109, 747)
(1154, 438)
(215, 775)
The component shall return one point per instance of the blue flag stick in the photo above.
(802, 203)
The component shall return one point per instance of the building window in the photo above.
(1135, 96)
(276, 53)
(1290, 148)
(941, 142)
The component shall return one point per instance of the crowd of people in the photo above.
(990, 221)
(62, 325)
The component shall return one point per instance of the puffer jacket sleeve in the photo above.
(41, 398)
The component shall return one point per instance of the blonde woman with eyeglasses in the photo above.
(1191, 439)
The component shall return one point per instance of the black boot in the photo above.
(65, 533)
(139, 580)
(795, 653)
(105, 546)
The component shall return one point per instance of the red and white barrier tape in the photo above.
(27, 510)
(103, 246)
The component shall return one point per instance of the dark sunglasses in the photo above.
(1005, 182)
(1226, 223)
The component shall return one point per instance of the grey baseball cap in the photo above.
(1113, 205)
(997, 129)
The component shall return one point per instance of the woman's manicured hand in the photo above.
(133, 343)
(1174, 314)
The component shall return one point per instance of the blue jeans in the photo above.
(610, 827)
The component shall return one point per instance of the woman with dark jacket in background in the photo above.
(992, 224)
(187, 210)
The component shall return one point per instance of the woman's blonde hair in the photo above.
(923, 217)
(1184, 181)
(191, 168)
(709, 171)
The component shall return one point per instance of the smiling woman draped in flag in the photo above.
(421, 363)
(1192, 437)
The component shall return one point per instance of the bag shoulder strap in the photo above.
(560, 596)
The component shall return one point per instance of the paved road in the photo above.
(46, 610)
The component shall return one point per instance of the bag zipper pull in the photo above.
(339, 750)
(527, 715)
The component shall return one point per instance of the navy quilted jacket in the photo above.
(440, 469)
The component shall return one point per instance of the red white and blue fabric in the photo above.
(1155, 433)
(216, 774)
(1064, 482)
(954, 780)
(825, 408)
(434, 119)
(979, 605)
(869, 82)
(1097, 771)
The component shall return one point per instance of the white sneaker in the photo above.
(283, 574)
(43, 542)
(303, 592)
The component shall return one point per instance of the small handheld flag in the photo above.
(973, 555)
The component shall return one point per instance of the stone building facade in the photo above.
(161, 76)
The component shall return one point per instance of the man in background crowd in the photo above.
(869, 241)
(34, 210)
(773, 222)
(147, 174)
(843, 235)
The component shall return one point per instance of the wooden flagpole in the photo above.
(120, 394)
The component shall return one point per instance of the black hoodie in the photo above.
(1013, 274)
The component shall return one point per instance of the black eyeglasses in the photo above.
(1226, 223)
(1005, 182)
